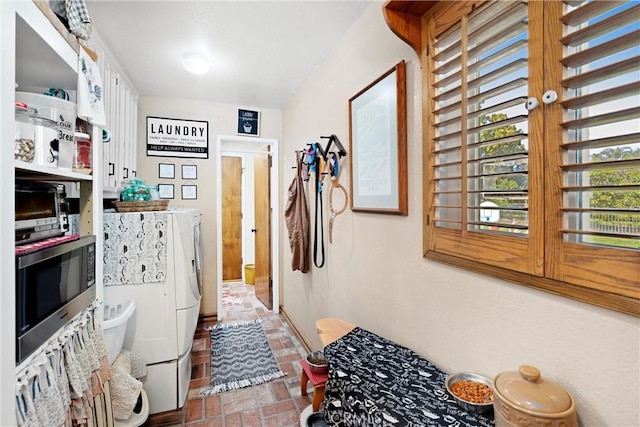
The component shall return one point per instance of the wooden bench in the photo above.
(330, 329)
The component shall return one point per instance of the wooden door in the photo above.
(231, 218)
(262, 202)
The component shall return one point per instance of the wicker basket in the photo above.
(153, 205)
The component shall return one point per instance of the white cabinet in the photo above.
(34, 54)
(121, 109)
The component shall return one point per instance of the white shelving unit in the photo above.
(35, 53)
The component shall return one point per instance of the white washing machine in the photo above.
(162, 329)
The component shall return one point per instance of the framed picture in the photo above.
(189, 172)
(248, 122)
(166, 191)
(189, 192)
(166, 170)
(177, 138)
(378, 145)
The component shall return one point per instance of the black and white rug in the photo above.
(240, 357)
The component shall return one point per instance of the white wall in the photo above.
(222, 120)
(376, 277)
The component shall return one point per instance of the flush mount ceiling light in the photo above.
(195, 63)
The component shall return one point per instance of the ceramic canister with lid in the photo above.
(524, 398)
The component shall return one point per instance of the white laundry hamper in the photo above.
(117, 313)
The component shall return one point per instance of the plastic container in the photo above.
(36, 137)
(82, 153)
(116, 315)
(63, 113)
(25, 135)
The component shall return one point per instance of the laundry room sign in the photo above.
(248, 122)
(177, 138)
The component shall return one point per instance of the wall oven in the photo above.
(52, 286)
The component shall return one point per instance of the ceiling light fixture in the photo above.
(195, 63)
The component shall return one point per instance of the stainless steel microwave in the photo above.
(52, 286)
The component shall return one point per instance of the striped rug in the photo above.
(240, 357)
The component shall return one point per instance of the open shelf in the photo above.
(44, 58)
(25, 170)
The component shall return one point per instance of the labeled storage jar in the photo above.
(25, 134)
(524, 398)
(82, 154)
(61, 111)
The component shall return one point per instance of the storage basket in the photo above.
(152, 205)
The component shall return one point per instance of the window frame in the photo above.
(572, 270)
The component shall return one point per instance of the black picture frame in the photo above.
(168, 137)
(166, 170)
(166, 191)
(248, 122)
(189, 192)
(189, 171)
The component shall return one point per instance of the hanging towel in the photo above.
(90, 91)
(296, 216)
(74, 15)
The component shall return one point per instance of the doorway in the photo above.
(268, 276)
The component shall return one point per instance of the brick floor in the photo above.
(277, 403)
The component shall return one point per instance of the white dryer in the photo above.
(188, 286)
(167, 311)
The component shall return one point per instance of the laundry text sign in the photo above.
(177, 138)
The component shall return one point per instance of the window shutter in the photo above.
(600, 145)
(547, 196)
(480, 150)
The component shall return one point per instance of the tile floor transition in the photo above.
(276, 403)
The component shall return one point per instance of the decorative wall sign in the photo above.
(189, 192)
(248, 122)
(177, 138)
(189, 172)
(166, 170)
(165, 191)
(378, 145)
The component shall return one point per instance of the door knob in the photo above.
(253, 230)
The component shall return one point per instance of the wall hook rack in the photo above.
(333, 139)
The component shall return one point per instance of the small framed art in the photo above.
(248, 122)
(189, 192)
(189, 172)
(166, 170)
(166, 191)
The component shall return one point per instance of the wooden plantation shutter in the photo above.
(598, 229)
(482, 206)
(549, 195)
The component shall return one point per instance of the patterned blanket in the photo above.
(376, 382)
